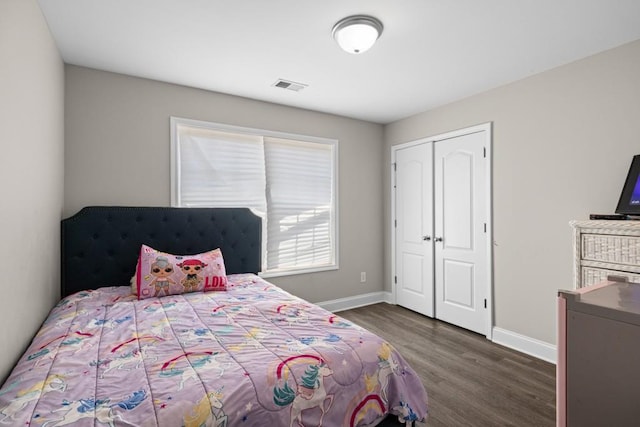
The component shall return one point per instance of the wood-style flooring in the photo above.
(470, 380)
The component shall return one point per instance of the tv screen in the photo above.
(629, 203)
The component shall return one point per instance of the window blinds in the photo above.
(290, 182)
(299, 203)
(221, 169)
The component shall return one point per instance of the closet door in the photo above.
(414, 224)
(461, 259)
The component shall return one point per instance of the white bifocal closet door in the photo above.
(460, 238)
(414, 223)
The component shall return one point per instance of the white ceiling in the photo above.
(431, 52)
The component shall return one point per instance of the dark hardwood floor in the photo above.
(470, 380)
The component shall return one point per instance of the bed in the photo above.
(248, 355)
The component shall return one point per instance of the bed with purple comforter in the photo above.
(251, 356)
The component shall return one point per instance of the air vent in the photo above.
(289, 85)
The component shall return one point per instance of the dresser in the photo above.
(603, 248)
(598, 369)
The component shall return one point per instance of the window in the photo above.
(289, 180)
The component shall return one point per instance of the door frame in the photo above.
(484, 127)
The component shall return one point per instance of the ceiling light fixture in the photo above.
(356, 34)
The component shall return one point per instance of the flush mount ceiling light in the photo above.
(356, 34)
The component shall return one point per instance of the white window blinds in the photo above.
(220, 169)
(299, 203)
(291, 182)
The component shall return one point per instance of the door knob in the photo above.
(426, 238)
(438, 239)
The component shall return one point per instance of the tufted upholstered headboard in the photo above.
(100, 244)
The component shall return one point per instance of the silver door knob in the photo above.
(426, 238)
(438, 239)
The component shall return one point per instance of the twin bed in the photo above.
(246, 354)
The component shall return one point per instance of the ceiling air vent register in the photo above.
(289, 85)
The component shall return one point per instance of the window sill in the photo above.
(269, 274)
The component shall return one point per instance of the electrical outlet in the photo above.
(363, 277)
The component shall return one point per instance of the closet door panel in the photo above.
(460, 248)
(414, 225)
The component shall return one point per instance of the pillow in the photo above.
(134, 279)
(134, 283)
(159, 273)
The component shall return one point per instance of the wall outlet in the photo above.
(363, 277)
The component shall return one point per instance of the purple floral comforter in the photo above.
(252, 356)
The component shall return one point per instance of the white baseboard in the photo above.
(356, 301)
(524, 344)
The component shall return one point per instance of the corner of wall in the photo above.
(32, 120)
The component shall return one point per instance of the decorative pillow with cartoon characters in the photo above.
(159, 273)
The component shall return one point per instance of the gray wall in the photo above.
(562, 144)
(31, 172)
(117, 153)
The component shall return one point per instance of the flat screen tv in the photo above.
(629, 203)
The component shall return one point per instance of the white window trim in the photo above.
(175, 188)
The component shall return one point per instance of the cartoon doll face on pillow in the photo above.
(192, 269)
(161, 269)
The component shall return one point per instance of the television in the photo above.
(629, 203)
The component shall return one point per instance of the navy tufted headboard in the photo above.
(100, 244)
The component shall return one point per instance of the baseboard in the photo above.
(524, 344)
(356, 301)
